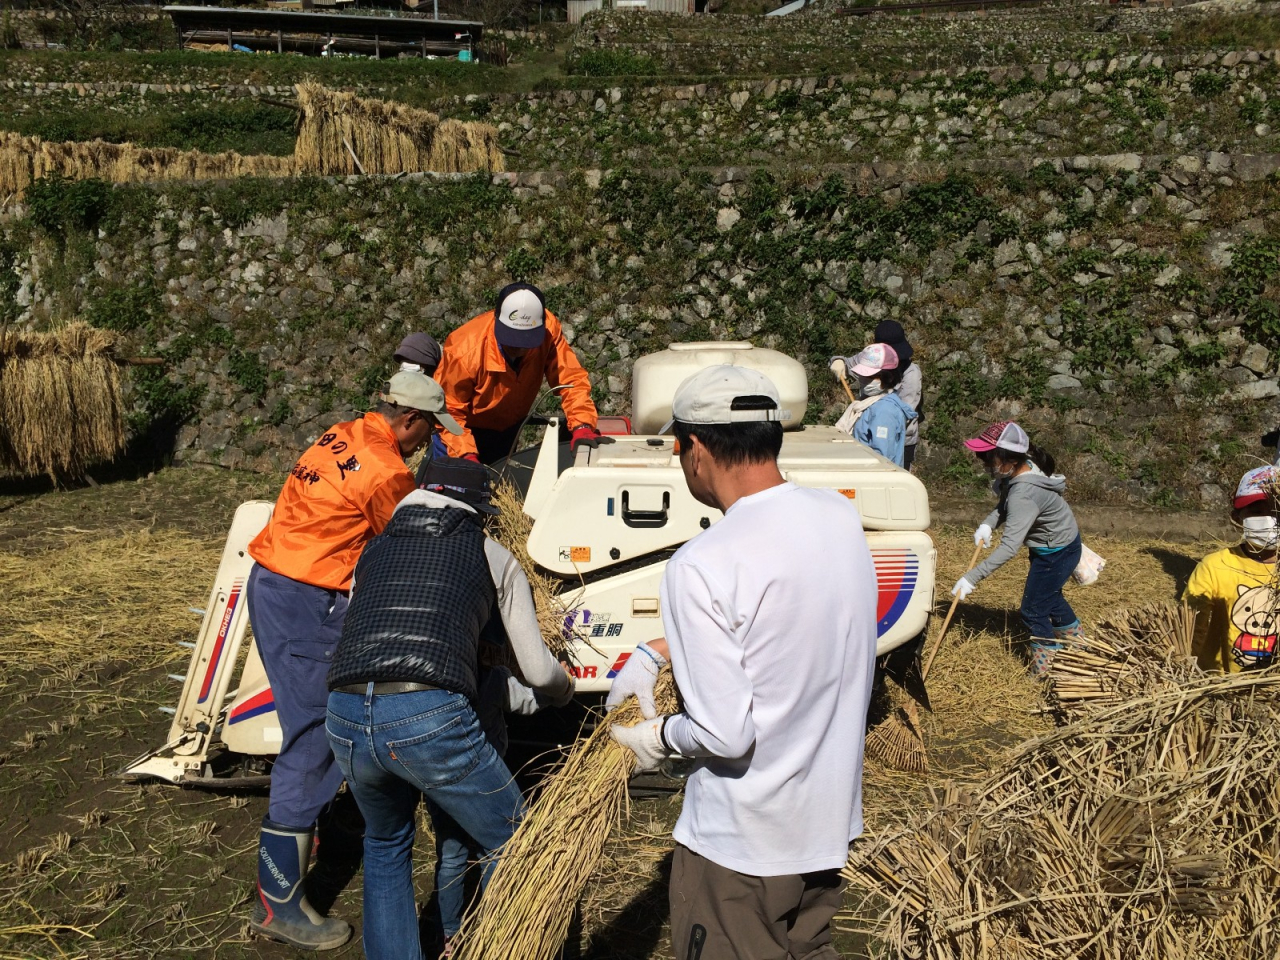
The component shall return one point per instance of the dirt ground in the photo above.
(100, 583)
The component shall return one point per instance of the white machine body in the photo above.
(606, 525)
(656, 377)
(625, 506)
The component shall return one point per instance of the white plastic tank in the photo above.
(657, 376)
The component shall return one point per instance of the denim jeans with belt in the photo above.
(1044, 608)
(393, 749)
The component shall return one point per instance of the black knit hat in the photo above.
(458, 478)
(891, 332)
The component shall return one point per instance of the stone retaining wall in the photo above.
(1119, 304)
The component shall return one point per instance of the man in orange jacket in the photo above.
(493, 368)
(339, 495)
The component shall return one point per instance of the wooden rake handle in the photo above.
(946, 624)
(845, 383)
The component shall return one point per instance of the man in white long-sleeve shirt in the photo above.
(770, 629)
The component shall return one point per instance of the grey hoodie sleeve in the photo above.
(515, 603)
(1020, 514)
(910, 388)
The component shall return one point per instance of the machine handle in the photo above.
(645, 518)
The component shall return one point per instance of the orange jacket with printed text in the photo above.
(483, 391)
(338, 496)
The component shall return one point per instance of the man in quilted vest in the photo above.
(402, 721)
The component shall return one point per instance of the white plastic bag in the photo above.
(1090, 565)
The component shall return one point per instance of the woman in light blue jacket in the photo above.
(879, 417)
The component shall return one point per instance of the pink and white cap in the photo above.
(873, 359)
(1006, 435)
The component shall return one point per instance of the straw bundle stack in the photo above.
(1145, 831)
(24, 159)
(60, 404)
(16, 153)
(1130, 653)
(386, 137)
(530, 900)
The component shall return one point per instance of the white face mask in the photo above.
(871, 388)
(1261, 533)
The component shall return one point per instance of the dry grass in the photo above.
(60, 405)
(1130, 653)
(511, 529)
(123, 598)
(984, 701)
(386, 137)
(1145, 831)
(530, 900)
(26, 159)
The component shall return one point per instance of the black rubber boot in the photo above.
(282, 911)
(339, 852)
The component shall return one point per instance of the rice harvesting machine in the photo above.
(605, 521)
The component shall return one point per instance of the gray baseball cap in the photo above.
(417, 391)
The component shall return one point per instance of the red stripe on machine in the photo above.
(221, 641)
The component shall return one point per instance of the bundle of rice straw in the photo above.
(1130, 652)
(1147, 831)
(386, 137)
(26, 159)
(60, 402)
(530, 900)
(511, 529)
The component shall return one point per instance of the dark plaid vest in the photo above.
(423, 598)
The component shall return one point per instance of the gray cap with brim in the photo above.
(417, 391)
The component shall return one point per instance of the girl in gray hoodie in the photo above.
(1033, 511)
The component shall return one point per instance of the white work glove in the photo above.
(645, 741)
(638, 675)
(839, 369)
(982, 536)
(962, 588)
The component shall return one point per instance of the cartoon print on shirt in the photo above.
(1256, 614)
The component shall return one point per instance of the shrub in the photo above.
(58, 205)
(612, 63)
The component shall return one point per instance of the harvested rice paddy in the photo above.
(100, 582)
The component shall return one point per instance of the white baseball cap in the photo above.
(520, 317)
(417, 391)
(726, 394)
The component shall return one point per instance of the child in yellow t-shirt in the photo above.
(1234, 592)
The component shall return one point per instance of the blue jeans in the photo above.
(394, 749)
(1043, 605)
(296, 627)
(454, 884)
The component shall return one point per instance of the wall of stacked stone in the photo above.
(1222, 100)
(1118, 303)
(1219, 100)
(781, 46)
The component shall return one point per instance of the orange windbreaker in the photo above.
(339, 495)
(482, 391)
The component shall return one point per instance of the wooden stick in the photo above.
(359, 166)
(845, 383)
(946, 624)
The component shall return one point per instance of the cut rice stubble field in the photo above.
(100, 582)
